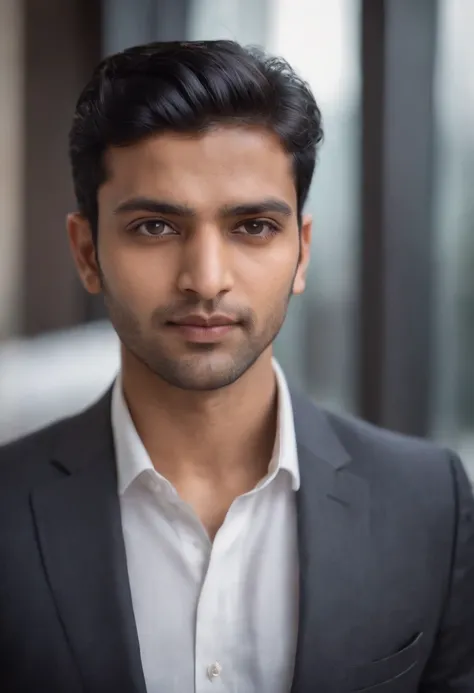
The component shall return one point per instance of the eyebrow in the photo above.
(146, 204)
(254, 208)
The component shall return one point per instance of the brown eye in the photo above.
(260, 228)
(153, 228)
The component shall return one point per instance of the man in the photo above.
(202, 527)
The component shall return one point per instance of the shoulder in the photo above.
(404, 466)
(45, 456)
(365, 441)
(25, 464)
(26, 459)
(395, 465)
(419, 491)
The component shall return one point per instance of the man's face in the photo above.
(199, 251)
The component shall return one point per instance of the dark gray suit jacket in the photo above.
(386, 546)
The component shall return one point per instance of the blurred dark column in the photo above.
(398, 53)
(62, 44)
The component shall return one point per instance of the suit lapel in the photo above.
(334, 553)
(80, 537)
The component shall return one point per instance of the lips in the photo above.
(203, 329)
(201, 321)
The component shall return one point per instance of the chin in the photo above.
(201, 372)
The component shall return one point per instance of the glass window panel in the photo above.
(453, 406)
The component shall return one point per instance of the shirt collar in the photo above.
(133, 460)
(285, 455)
(131, 456)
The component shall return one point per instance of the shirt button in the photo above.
(214, 671)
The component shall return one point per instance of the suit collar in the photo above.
(80, 537)
(85, 438)
(333, 513)
(315, 433)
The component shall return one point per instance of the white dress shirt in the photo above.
(218, 616)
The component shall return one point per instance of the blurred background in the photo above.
(386, 328)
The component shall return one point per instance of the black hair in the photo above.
(189, 87)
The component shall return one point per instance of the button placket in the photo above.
(214, 610)
(209, 637)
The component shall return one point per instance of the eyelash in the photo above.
(273, 228)
(135, 229)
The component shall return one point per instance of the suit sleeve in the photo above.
(450, 668)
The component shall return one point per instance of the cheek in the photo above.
(275, 264)
(136, 279)
(266, 279)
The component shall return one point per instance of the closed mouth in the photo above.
(204, 322)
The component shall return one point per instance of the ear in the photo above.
(84, 252)
(299, 282)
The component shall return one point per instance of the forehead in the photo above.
(224, 164)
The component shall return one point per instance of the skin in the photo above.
(205, 409)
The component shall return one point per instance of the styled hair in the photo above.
(189, 87)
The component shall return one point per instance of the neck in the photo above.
(217, 435)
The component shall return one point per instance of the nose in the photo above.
(205, 265)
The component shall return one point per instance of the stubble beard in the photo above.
(204, 367)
